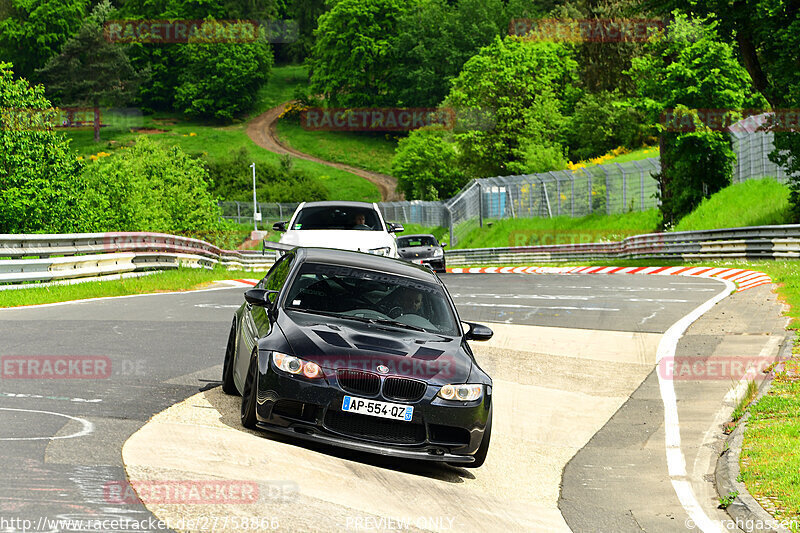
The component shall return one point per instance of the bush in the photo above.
(425, 165)
(233, 180)
(602, 122)
(148, 187)
(39, 176)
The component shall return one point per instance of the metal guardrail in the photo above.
(35, 257)
(759, 242)
(71, 256)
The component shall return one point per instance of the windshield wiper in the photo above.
(385, 322)
(381, 321)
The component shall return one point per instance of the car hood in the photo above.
(358, 240)
(341, 343)
(423, 252)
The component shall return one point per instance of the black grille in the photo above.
(373, 428)
(404, 390)
(358, 381)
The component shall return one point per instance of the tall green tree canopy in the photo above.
(33, 31)
(434, 39)
(690, 68)
(524, 88)
(354, 58)
(426, 165)
(39, 176)
(89, 70)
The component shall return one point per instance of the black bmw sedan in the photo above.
(363, 352)
(422, 250)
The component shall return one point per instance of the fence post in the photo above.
(624, 188)
(480, 208)
(608, 194)
(450, 225)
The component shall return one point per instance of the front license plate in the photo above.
(363, 406)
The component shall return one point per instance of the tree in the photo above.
(426, 165)
(32, 31)
(766, 34)
(221, 80)
(601, 122)
(524, 87)
(89, 70)
(39, 176)
(434, 40)
(353, 59)
(691, 69)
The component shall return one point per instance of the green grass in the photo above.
(219, 142)
(369, 151)
(183, 279)
(750, 203)
(770, 464)
(281, 86)
(635, 155)
(559, 230)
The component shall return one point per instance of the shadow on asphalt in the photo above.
(228, 408)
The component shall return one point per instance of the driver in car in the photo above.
(360, 221)
(411, 302)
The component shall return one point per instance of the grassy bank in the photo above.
(183, 279)
(751, 203)
(369, 151)
(559, 230)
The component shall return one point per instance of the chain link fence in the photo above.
(607, 189)
(752, 150)
(242, 212)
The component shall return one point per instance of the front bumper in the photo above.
(435, 264)
(312, 410)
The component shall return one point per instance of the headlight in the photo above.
(380, 251)
(296, 366)
(438, 252)
(462, 393)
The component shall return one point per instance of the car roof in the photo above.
(418, 235)
(333, 203)
(365, 260)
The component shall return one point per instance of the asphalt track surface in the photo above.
(164, 348)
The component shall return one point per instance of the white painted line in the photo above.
(88, 427)
(70, 302)
(676, 462)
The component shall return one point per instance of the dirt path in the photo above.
(262, 130)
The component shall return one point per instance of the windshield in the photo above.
(373, 297)
(337, 217)
(408, 242)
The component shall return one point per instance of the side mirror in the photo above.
(394, 227)
(280, 226)
(260, 297)
(478, 332)
(443, 244)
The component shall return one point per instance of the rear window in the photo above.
(337, 217)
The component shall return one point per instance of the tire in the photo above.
(249, 395)
(480, 455)
(228, 385)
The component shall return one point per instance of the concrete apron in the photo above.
(553, 389)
